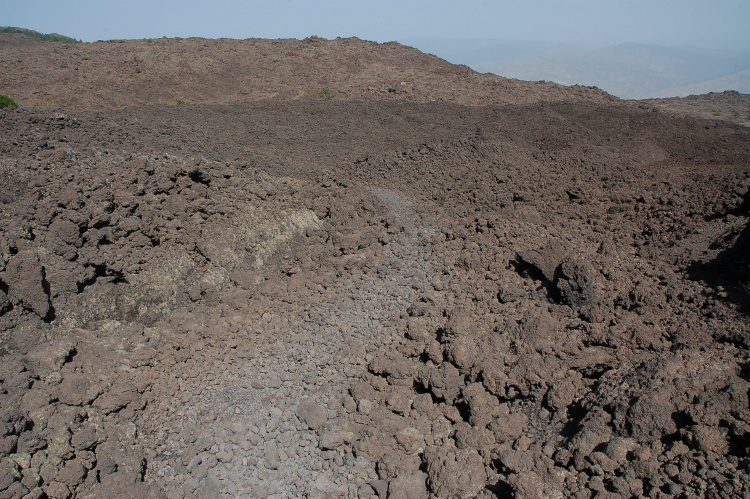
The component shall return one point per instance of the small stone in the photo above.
(259, 491)
(408, 487)
(31, 479)
(57, 490)
(210, 460)
(22, 459)
(380, 487)
(312, 414)
(411, 440)
(203, 444)
(365, 490)
(224, 457)
(35, 399)
(365, 406)
(330, 440)
(194, 462)
(271, 460)
(50, 357)
(85, 439)
(274, 382)
(72, 474)
(209, 490)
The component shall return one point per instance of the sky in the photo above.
(595, 23)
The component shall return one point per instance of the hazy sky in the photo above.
(707, 23)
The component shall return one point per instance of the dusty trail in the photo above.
(240, 432)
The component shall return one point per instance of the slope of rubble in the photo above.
(331, 299)
(121, 73)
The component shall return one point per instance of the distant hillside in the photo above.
(725, 106)
(35, 35)
(630, 71)
(176, 71)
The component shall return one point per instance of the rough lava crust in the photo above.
(375, 298)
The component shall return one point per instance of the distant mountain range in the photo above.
(629, 71)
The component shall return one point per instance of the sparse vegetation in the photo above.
(6, 101)
(665, 110)
(182, 101)
(39, 36)
(326, 94)
(717, 113)
(85, 58)
(149, 40)
(276, 59)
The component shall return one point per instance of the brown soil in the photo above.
(370, 299)
(122, 73)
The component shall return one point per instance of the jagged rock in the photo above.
(26, 283)
(312, 414)
(408, 487)
(50, 357)
(542, 263)
(455, 472)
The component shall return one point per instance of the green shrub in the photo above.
(6, 101)
(182, 101)
(326, 94)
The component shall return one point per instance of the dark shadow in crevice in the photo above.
(463, 410)
(576, 413)
(7, 306)
(100, 272)
(740, 211)
(46, 287)
(501, 489)
(739, 443)
(731, 267)
(529, 271)
(200, 177)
